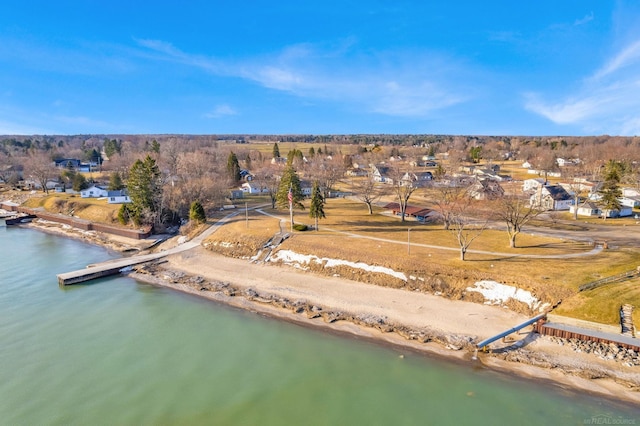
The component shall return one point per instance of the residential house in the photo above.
(306, 188)
(486, 189)
(630, 192)
(586, 208)
(491, 173)
(381, 174)
(94, 191)
(120, 196)
(624, 211)
(356, 172)
(421, 214)
(246, 175)
(279, 160)
(68, 163)
(251, 188)
(418, 180)
(532, 184)
(551, 197)
(630, 201)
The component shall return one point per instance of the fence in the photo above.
(615, 278)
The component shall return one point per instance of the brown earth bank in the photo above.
(410, 319)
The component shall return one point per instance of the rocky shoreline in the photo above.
(592, 368)
(530, 357)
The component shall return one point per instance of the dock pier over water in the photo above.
(105, 269)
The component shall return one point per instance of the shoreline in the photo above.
(562, 372)
(540, 359)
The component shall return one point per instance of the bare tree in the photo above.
(462, 225)
(368, 191)
(41, 168)
(576, 184)
(403, 189)
(515, 212)
(326, 171)
(268, 178)
(449, 197)
(465, 231)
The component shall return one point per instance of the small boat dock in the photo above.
(105, 269)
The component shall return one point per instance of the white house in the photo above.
(118, 197)
(630, 201)
(381, 174)
(552, 197)
(623, 212)
(532, 184)
(306, 188)
(250, 188)
(419, 179)
(587, 208)
(94, 191)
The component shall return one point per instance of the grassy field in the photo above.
(389, 243)
(349, 233)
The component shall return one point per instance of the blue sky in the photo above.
(320, 67)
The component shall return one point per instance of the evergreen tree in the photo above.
(145, 190)
(290, 181)
(155, 146)
(316, 208)
(196, 213)
(312, 152)
(295, 155)
(79, 182)
(124, 214)
(115, 182)
(233, 167)
(610, 192)
(276, 151)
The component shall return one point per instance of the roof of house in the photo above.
(557, 192)
(117, 193)
(410, 210)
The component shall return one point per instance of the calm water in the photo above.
(120, 352)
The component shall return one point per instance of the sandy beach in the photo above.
(412, 320)
(416, 321)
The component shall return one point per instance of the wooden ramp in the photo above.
(105, 269)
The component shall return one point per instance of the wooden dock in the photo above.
(105, 269)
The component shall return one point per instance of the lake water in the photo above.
(120, 352)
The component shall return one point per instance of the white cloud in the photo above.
(9, 128)
(628, 56)
(584, 20)
(222, 110)
(607, 102)
(390, 83)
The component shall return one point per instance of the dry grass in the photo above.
(602, 304)
(93, 209)
(436, 269)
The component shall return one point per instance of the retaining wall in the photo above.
(75, 222)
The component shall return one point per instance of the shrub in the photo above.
(196, 213)
(300, 227)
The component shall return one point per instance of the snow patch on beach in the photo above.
(297, 260)
(497, 294)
